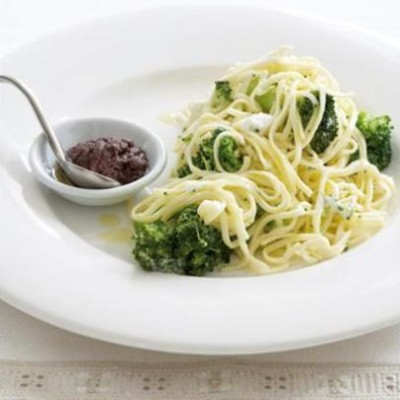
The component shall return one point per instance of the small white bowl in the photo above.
(72, 132)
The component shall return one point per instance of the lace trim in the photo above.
(216, 380)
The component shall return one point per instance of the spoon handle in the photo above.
(52, 138)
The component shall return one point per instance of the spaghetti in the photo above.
(286, 204)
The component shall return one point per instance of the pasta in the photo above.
(286, 204)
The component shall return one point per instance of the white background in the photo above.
(24, 338)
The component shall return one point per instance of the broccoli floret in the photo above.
(305, 108)
(267, 99)
(377, 132)
(328, 127)
(222, 96)
(204, 159)
(228, 154)
(200, 245)
(252, 84)
(183, 171)
(154, 246)
(183, 245)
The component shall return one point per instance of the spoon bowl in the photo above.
(43, 162)
(85, 178)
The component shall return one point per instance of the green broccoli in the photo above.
(228, 154)
(267, 99)
(328, 127)
(377, 132)
(305, 108)
(183, 170)
(252, 84)
(183, 245)
(222, 96)
(204, 159)
(154, 246)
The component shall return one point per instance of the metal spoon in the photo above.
(82, 177)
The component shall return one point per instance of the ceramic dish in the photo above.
(71, 132)
(66, 264)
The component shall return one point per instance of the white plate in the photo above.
(55, 266)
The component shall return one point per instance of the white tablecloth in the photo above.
(24, 340)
